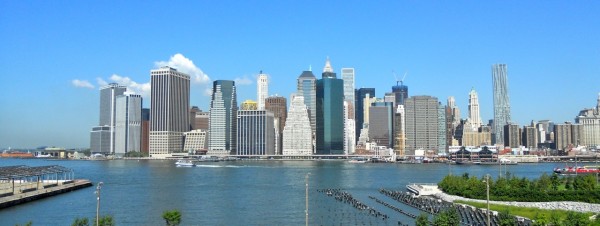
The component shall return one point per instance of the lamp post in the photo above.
(98, 202)
(487, 183)
(306, 211)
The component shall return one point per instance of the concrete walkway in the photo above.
(38, 193)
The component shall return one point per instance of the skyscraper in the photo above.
(262, 90)
(422, 123)
(381, 122)
(400, 131)
(590, 123)
(349, 134)
(359, 113)
(348, 77)
(330, 113)
(401, 92)
(442, 142)
(474, 117)
(501, 102)
(512, 135)
(307, 88)
(170, 105)
(255, 133)
(108, 97)
(223, 118)
(297, 134)
(128, 131)
(567, 135)
(145, 140)
(278, 106)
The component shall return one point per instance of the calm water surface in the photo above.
(234, 193)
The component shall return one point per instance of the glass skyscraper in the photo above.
(359, 113)
(223, 118)
(501, 102)
(401, 93)
(307, 88)
(330, 113)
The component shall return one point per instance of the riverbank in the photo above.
(562, 205)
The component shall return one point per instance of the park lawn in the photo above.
(527, 212)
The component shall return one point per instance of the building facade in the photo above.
(359, 116)
(567, 135)
(421, 123)
(222, 124)
(474, 116)
(307, 88)
(381, 122)
(399, 131)
(501, 102)
(590, 123)
(100, 139)
(108, 101)
(278, 106)
(349, 133)
(128, 128)
(170, 104)
(297, 133)
(512, 135)
(330, 113)
(255, 133)
(145, 139)
(401, 93)
(262, 90)
(195, 140)
(348, 77)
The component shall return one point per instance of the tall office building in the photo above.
(222, 124)
(330, 113)
(567, 135)
(474, 116)
(128, 131)
(297, 133)
(348, 77)
(401, 93)
(359, 107)
(381, 122)
(262, 90)
(421, 123)
(512, 135)
(307, 88)
(590, 123)
(100, 139)
(278, 106)
(145, 140)
(501, 102)
(530, 136)
(170, 105)
(399, 131)
(108, 97)
(349, 134)
(255, 133)
(442, 142)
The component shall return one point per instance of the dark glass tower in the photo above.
(330, 113)
(359, 113)
(401, 93)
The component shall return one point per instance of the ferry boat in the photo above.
(578, 170)
(185, 163)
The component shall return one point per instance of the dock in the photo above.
(21, 184)
(423, 189)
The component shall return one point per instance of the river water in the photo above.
(267, 192)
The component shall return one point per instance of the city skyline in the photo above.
(446, 49)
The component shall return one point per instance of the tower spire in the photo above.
(327, 67)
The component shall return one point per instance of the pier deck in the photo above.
(8, 199)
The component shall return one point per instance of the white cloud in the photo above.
(208, 91)
(185, 65)
(242, 81)
(101, 82)
(132, 86)
(82, 84)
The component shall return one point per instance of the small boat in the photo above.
(185, 163)
(358, 160)
(578, 170)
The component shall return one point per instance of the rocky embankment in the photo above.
(571, 206)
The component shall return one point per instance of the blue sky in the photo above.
(552, 49)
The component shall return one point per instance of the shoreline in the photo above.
(581, 207)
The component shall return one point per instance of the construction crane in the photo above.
(396, 77)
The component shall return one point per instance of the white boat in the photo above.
(185, 163)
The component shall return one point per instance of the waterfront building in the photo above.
(170, 102)
(108, 97)
(399, 131)
(222, 124)
(198, 119)
(401, 92)
(348, 78)
(349, 134)
(100, 139)
(530, 136)
(145, 139)
(255, 133)
(512, 135)
(297, 133)
(249, 105)
(195, 141)
(330, 113)
(501, 102)
(421, 123)
(262, 90)
(481, 137)
(381, 121)
(567, 135)
(278, 106)
(474, 116)
(590, 123)
(360, 95)
(128, 131)
(307, 88)
(442, 142)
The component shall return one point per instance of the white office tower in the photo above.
(297, 133)
(106, 126)
(195, 140)
(349, 128)
(255, 132)
(474, 116)
(222, 126)
(170, 104)
(128, 128)
(262, 90)
(348, 77)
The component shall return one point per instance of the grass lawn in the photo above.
(527, 212)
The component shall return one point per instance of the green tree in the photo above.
(106, 220)
(506, 219)
(576, 219)
(448, 217)
(555, 181)
(172, 217)
(555, 219)
(540, 220)
(422, 220)
(81, 222)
